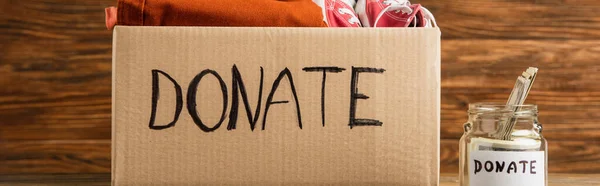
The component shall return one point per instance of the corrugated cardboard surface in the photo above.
(405, 98)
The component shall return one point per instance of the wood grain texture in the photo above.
(517, 19)
(567, 88)
(55, 66)
(56, 70)
(63, 156)
(99, 179)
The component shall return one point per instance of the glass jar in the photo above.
(502, 145)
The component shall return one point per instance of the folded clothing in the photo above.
(267, 13)
(375, 13)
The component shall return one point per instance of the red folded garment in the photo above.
(268, 13)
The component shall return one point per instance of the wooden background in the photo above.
(55, 82)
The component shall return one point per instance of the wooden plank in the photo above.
(81, 156)
(517, 19)
(566, 88)
(568, 2)
(53, 19)
(56, 70)
(15, 135)
(55, 179)
(563, 156)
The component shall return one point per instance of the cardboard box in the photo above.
(337, 106)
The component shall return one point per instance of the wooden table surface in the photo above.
(104, 179)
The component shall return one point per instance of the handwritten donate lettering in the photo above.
(523, 166)
(238, 88)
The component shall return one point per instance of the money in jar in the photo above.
(502, 145)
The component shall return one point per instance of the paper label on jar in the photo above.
(497, 168)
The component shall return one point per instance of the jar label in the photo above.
(498, 168)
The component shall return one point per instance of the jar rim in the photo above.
(487, 107)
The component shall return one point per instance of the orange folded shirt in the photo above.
(267, 13)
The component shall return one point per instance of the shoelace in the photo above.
(394, 5)
(429, 16)
(353, 19)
